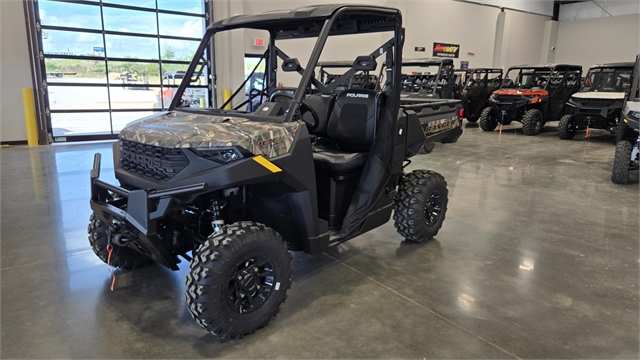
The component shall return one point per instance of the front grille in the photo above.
(151, 161)
(595, 103)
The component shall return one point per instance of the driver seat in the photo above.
(351, 129)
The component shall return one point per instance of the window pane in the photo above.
(80, 124)
(69, 15)
(131, 72)
(133, 97)
(178, 25)
(132, 47)
(177, 49)
(121, 119)
(78, 97)
(139, 3)
(190, 6)
(129, 21)
(72, 43)
(70, 70)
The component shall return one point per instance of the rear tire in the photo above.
(532, 122)
(567, 127)
(621, 162)
(427, 148)
(487, 120)
(239, 278)
(121, 257)
(420, 206)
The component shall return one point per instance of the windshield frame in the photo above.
(389, 49)
(596, 85)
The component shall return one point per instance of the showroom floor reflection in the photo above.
(538, 257)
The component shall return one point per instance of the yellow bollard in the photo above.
(30, 116)
(226, 96)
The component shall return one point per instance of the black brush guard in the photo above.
(144, 209)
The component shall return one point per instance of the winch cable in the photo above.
(113, 276)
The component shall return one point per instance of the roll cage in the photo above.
(443, 78)
(542, 77)
(315, 21)
(472, 78)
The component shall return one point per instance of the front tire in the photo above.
(621, 162)
(488, 120)
(567, 127)
(420, 206)
(532, 122)
(121, 257)
(239, 278)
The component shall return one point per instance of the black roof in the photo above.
(615, 65)
(335, 64)
(548, 66)
(299, 22)
(491, 70)
(427, 62)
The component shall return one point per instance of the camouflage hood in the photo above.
(176, 129)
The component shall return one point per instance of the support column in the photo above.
(549, 42)
(229, 51)
(501, 45)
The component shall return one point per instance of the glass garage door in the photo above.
(110, 62)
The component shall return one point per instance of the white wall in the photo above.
(603, 8)
(526, 33)
(596, 41)
(543, 7)
(472, 26)
(15, 72)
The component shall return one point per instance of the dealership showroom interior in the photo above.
(319, 179)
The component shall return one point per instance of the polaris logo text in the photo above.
(146, 161)
(361, 96)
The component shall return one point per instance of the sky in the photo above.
(78, 15)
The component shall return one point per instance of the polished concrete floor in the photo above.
(538, 258)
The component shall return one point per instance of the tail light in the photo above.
(461, 112)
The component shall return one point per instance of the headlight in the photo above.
(222, 155)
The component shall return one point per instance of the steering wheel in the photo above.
(304, 108)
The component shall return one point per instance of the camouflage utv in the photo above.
(232, 191)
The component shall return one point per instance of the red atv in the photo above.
(532, 95)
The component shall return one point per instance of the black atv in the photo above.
(233, 191)
(598, 105)
(479, 84)
(532, 95)
(628, 146)
(437, 85)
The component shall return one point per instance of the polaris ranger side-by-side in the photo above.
(598, 104)
(627, 156)
(532, 95)
(479, 84)
(233, 191)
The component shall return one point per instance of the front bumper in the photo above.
(144, 209)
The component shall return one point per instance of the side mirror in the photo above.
(365, 63)
(290, 65)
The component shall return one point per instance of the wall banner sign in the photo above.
(446, 50)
